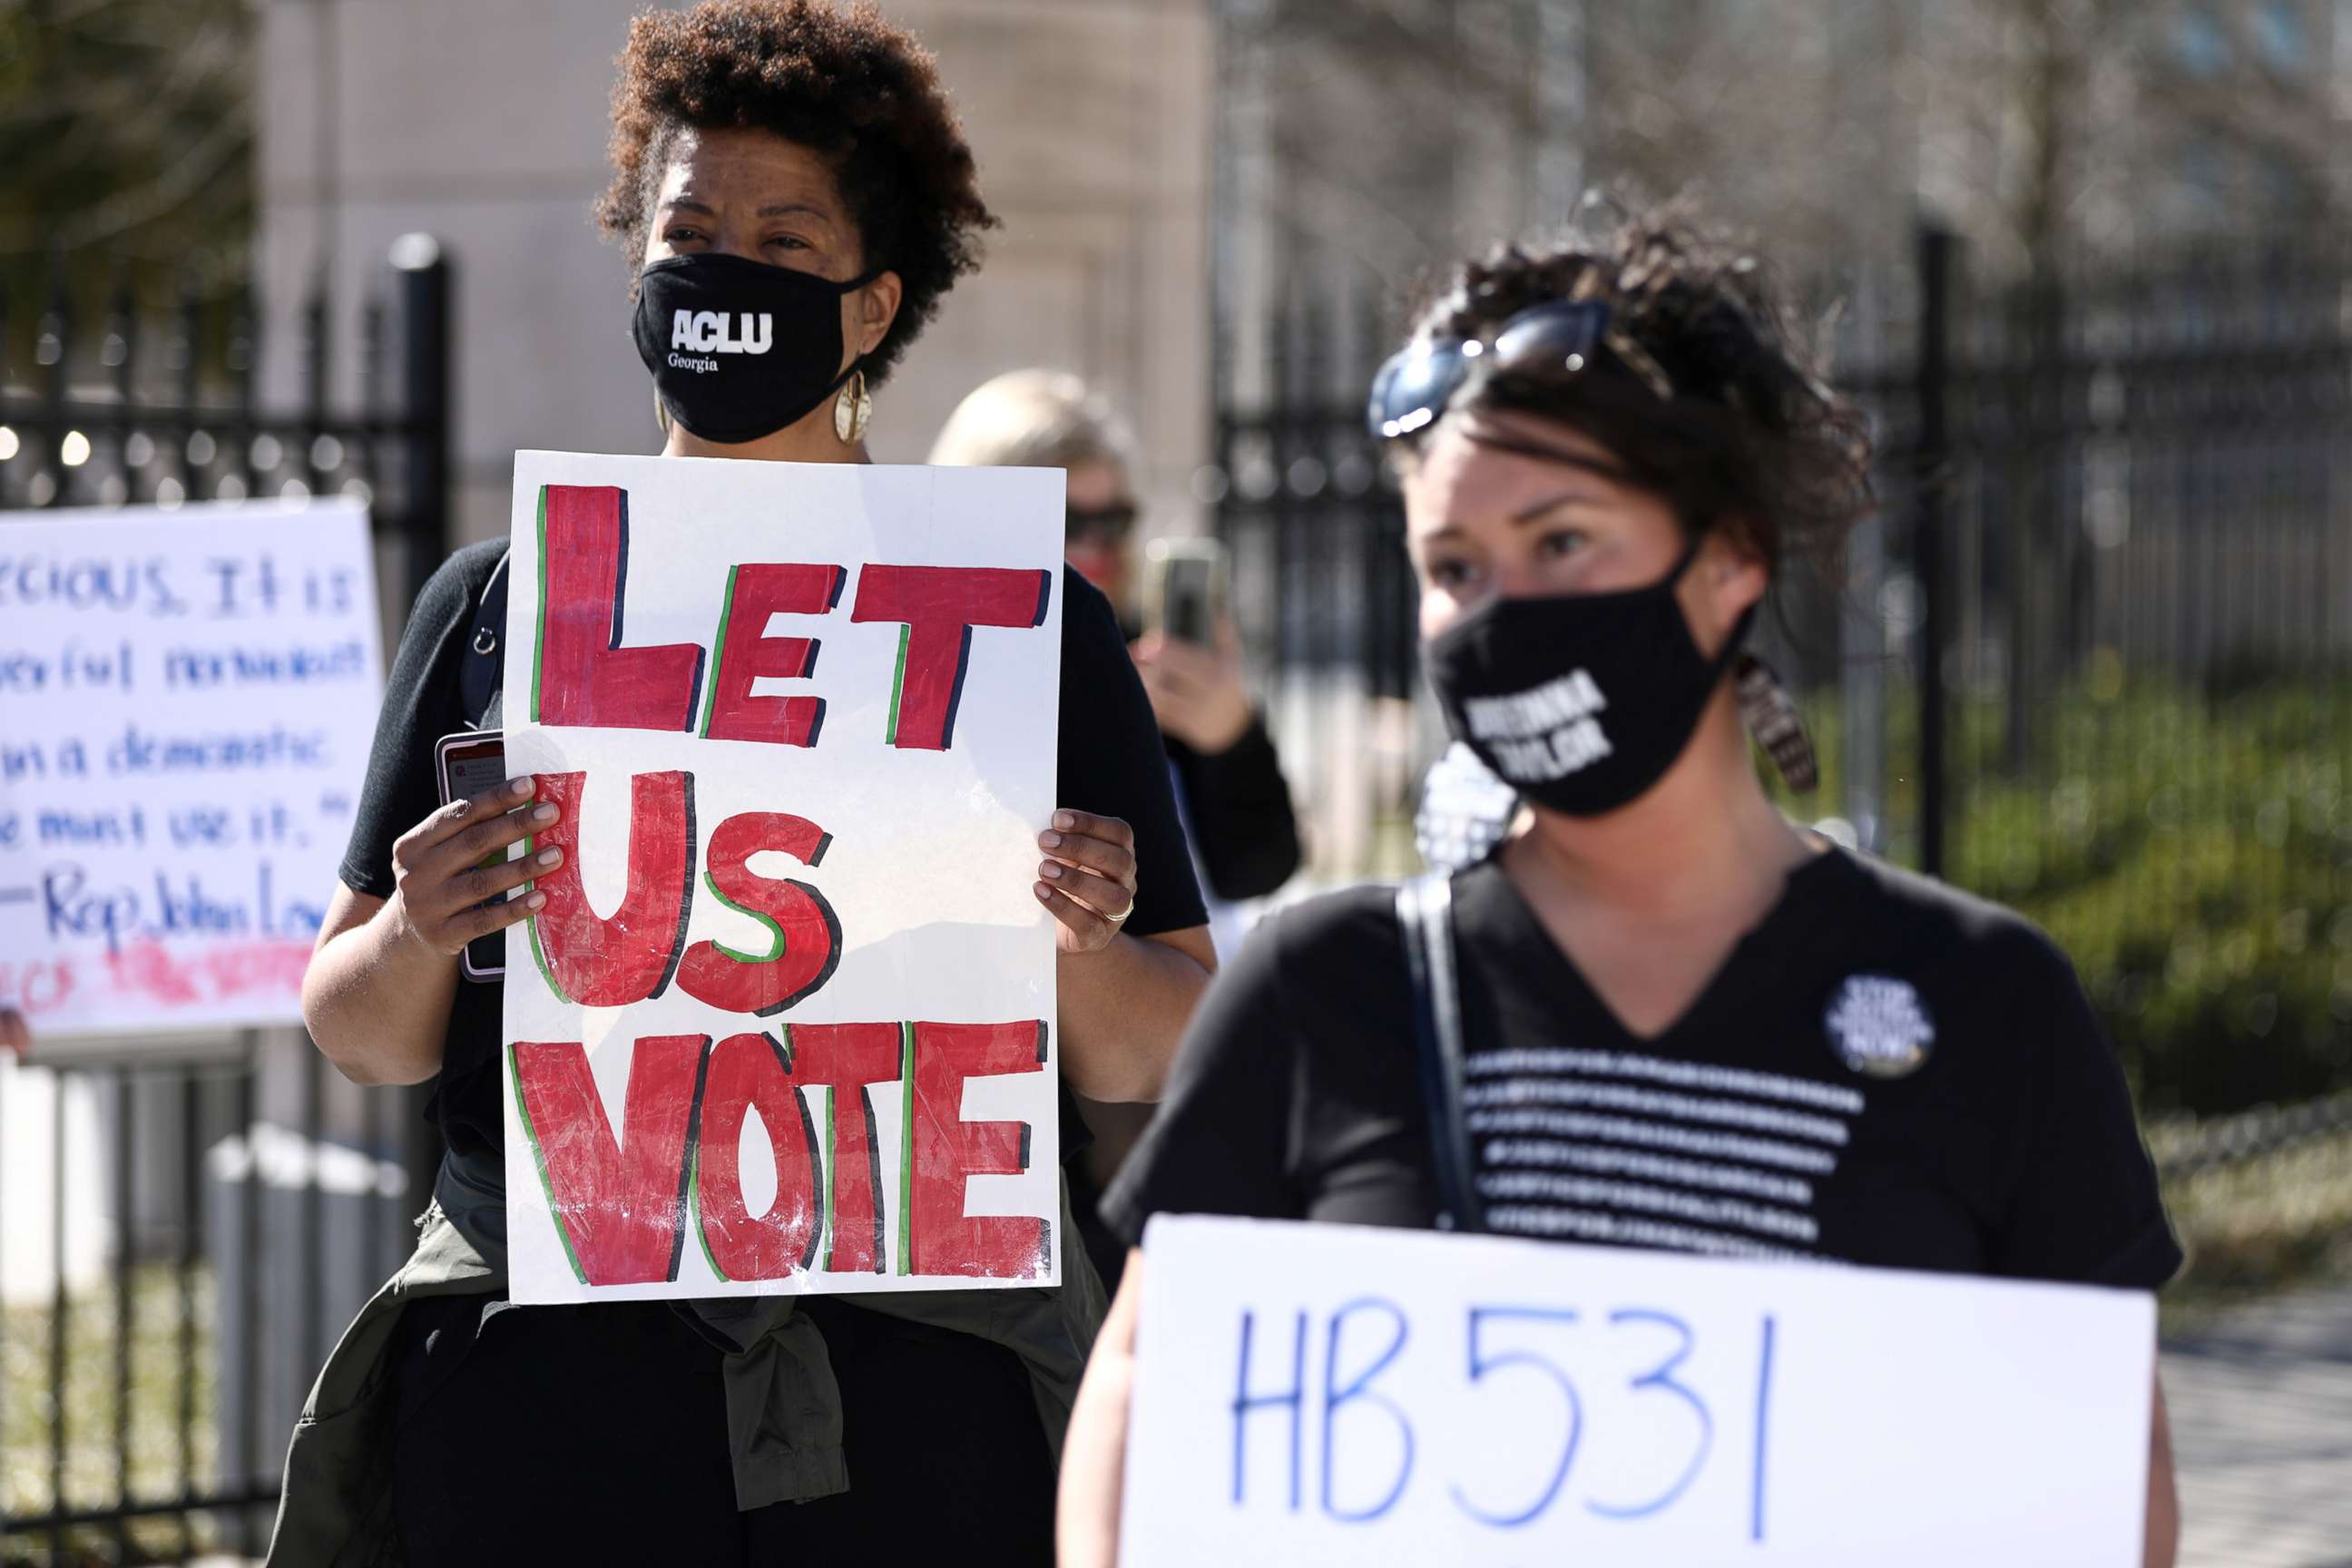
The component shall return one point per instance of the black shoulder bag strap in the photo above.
(1425, 913)
(482, 670)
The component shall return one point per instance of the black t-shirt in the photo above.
(1884, 1071)
(1111, 763)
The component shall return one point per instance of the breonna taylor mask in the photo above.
(1579, 701)
(740, 349)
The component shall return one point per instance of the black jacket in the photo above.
(1243, 826)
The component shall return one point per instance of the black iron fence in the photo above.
(1322, 593)
(2134, 558)
(145, 1402)
(2093, 657)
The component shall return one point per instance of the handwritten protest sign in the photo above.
(1336, 1394)
(186, 702)
(786, 1020)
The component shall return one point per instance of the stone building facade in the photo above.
(483, 123)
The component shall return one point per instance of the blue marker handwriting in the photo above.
(1355, 1447)
(160, 586)
(172, 905)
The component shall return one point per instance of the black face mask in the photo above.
(1579, 701)
(740, 349)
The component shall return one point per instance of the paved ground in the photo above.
(2262, 1430)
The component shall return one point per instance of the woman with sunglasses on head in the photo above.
(794, 162)
(1680, 1020)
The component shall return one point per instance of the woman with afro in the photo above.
(796, 160)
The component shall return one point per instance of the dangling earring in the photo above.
(851, 409)
(1771, 716)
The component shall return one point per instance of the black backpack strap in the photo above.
(1425, 914)
(482, 668)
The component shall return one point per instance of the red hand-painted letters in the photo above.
(624, 1204)
(586, 677)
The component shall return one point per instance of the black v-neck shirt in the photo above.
(1883, 1072)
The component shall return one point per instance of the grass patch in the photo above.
(2257, 1225)
(28, 1416)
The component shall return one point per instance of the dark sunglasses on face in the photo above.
(1556, 339)
(1109, 524)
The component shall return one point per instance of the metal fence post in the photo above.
(1933, 460)
(421, 281)
(49, 350)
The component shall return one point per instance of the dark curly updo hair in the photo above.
(1705, 394)
(842, 81)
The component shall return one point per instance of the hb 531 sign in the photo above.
(1336, 1394)
(785, 1021)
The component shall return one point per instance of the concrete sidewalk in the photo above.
(2261, 1432)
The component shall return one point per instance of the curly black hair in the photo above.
(840, 81)
(1746, 433)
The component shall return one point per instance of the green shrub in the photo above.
(2190, 848)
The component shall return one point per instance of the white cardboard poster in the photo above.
(187, 699)
(786, 1022)
(1338, 1395)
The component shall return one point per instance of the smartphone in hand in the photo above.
(469, 763)
(1184, 589)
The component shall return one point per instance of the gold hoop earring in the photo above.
(851, 409)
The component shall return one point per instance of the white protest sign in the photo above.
(1338, 1395)
(187, 699)
(786, 1021)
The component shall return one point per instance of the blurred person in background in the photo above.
(15, 1034)
(1233, 792)
(1230, 788)
(1612, 448)
(796, 159)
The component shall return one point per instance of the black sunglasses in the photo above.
(1110, 523)
(1559, 337)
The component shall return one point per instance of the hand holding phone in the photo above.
(1199, 695)
(461, 869)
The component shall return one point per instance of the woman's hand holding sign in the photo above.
(448, 878)
(1089, 879)
(1124, 1003)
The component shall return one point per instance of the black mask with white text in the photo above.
(1579, 701)
(740, 349)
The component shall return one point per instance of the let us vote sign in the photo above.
(1335, 1394)
(786, 1020)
